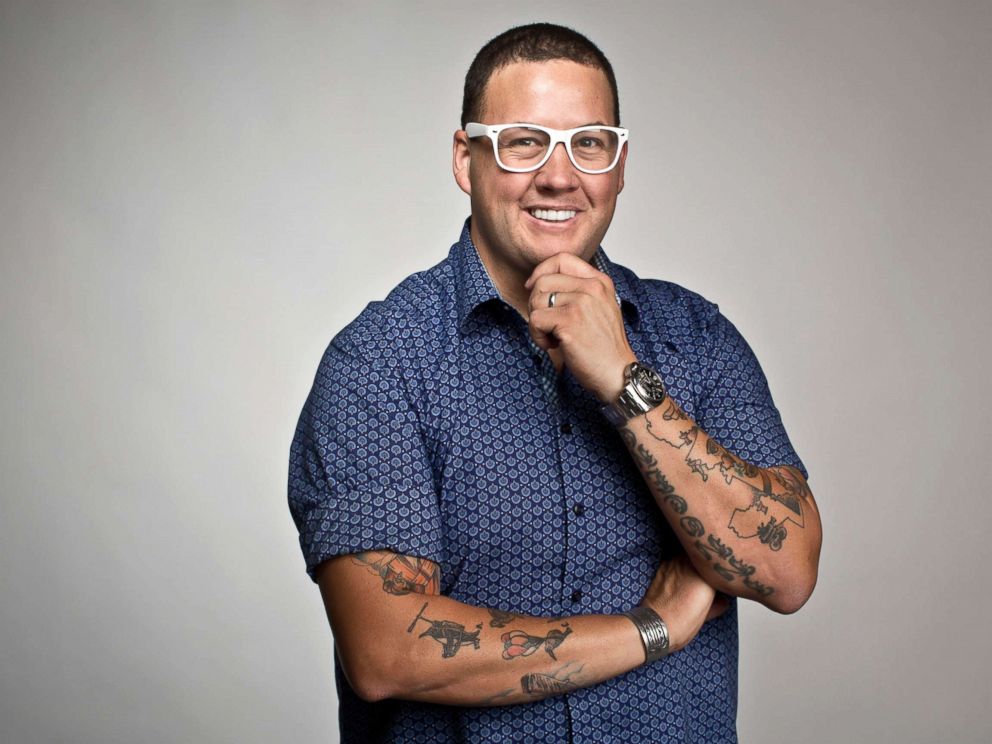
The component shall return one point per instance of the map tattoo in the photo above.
(775, 504)
(720, 555)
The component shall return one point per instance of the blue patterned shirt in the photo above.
(435, 428)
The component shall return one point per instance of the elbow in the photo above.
(393, 680)
(788, 603)
(791, 595)
(368, 689)
(372, 679)
(797, 579)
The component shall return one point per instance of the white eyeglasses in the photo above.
(522, 148)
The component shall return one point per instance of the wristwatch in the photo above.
(643, 390)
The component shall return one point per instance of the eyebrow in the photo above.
(592, 124)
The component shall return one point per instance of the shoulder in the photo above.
(680, 314)
(410, 322)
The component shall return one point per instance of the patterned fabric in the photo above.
(436, 429)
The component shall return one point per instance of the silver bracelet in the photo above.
(654, 632)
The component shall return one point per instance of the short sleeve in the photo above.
(359, 475)
(737, 409)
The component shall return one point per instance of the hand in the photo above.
(683, 599)
(585, 324)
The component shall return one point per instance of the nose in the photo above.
(558, 174)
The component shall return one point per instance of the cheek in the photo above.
(502, 200)
(604, 192)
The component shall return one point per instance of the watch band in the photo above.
(654, 632)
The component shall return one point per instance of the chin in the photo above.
(548, 245)
(535, 255)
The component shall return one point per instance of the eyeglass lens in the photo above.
(522, 147)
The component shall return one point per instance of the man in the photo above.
(507, 478)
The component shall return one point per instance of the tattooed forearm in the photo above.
(769, 514)
(517, 643)
(728, 565)
(720, 555)
(713, 458)
(649, 465)
(501, 619)
(451, 635)
(777, 494)
(556, 683)
(401, 574)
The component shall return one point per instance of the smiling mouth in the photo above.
(552, 215)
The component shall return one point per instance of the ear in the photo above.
(461, 161)
(621, 164)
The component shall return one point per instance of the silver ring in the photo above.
(551, 299)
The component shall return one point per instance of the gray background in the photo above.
(194, 197)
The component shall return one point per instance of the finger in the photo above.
(562, 263)
(542, 300)
(561, 284)
(543, 324)
(557, 283)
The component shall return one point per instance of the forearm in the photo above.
(427, 647)
(480, 657)
(751, 532)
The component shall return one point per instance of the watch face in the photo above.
(648, 384)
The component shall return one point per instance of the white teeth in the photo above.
(553, 215)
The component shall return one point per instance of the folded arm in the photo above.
(751, 532)
(397, 637)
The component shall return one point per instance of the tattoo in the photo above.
(767, 515)
(732, 567)
(772, 534)
(401, 574)
(773, 506)
(716, 457)
(692, 526)
(451, 635)
(556, 683)
(672, 412)
(649, 465)
(501, 618)
(518, 643)
(719, 554)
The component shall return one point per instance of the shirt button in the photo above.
(577, 595)
(578, 510)
(566, 428)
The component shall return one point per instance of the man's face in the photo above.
(510, 238)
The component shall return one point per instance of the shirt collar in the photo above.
(475, 288)
(473, 285)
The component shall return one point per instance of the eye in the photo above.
(524, 142)
(589, 143)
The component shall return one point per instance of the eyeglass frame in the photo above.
(474, 129)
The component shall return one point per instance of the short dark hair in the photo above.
(535, 42)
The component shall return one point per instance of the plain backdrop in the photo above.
(195, 196)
